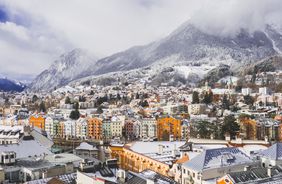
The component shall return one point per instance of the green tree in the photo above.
(137, 96)
(34, 98)
(248, 100)
(100, 110)
(144, 103)
(76, 106)
(75, 113)
(203, 129)
(229, 126)
(208, 98)
(195, 97)
(67, 100)
(225, 102)
(81, 99)
(42, 107)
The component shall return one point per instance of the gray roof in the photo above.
(256, 175)
(274, 152)
(216, 158)
(26, 148)
(66, 178)
(86, 146)
(45, 141)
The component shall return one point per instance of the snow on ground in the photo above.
(201, 71)
(228, 78)
(65, 89)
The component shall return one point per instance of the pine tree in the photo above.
(100, 110)
(195, 97)
(137, 96)
(42, 107)
(75, 113)
(34, 98)
(230, 126)
(248, 100)
(67, 100)
(225, 102)
(208, 98)
(118, 96)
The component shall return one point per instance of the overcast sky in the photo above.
(33, 33)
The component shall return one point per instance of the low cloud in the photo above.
(228, 17)
(36, 32)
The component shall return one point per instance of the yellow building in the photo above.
(136, 162)
(168, 127)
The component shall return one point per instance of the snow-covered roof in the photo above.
(152, 147)
(63, 158)
(86, 146)
(216, 158)
(26, 148)
(44, 141)
(274, 152)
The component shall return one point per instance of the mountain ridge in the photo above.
(186, 47)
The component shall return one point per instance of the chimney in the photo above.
(174, 151)
(27, 130)
(247, 168)
(161, 149)
(266, 139)
(269, 172)
(122, 175)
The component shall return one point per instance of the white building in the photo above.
(81, 128)
(264, 91)
(49, 125)
(70, 128)
(116, 126)
(246, 91)
(148, 127)
(196, 108)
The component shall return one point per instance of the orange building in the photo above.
(37, 121)
(168, 127)
(95, 130)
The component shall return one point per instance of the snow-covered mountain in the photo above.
(66, 68)
(187, 54)
(10, 85)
